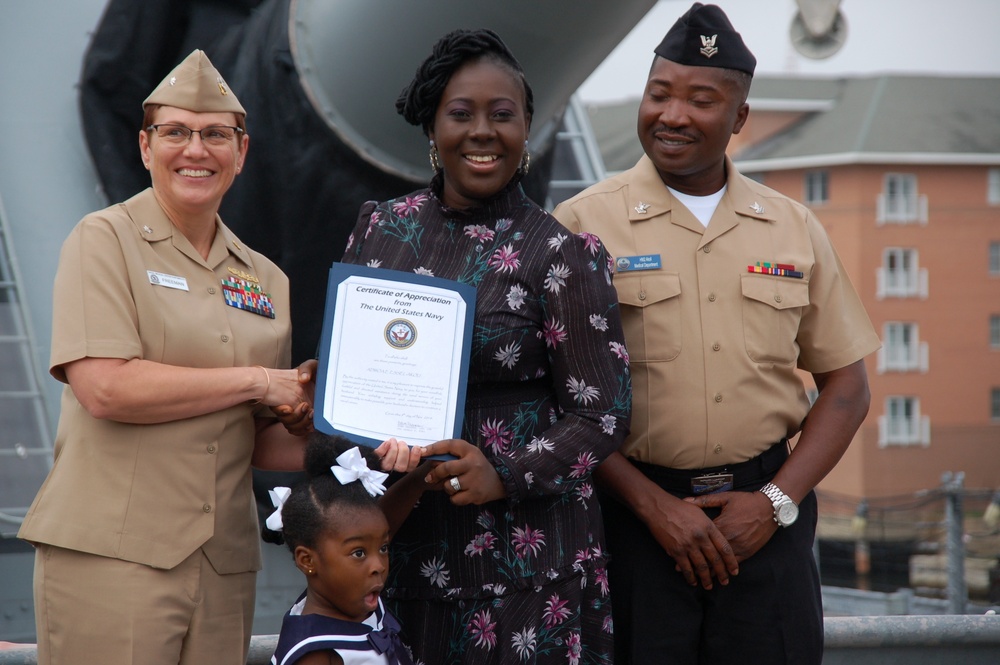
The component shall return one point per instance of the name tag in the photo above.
(169, 281)
(643, 262)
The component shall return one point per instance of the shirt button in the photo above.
(211, 290)
(207, 508)
(718, 397)
(717, 449)
(716, 346)
(225, 338)
(642, 295)
(711, 297)
(777, 297)
(211, 449)
(706, 249)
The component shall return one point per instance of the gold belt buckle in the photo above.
(711, 483)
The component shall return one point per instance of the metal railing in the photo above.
(914, 640)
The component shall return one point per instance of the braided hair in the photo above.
(419, 100)
(306, 513)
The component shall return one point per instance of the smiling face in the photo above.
(686, 118)
(480, 130)
(191, 179)
(349, 564)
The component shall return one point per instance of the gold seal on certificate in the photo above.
(394, 356)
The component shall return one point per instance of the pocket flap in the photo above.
(778, 292)
(641, 290)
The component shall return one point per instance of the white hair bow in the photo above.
(351, 466)
(278, 497)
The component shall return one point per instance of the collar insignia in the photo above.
(642, 208)
(147, 229)
(708, 46)
(757, 208)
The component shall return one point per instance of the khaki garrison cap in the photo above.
(196, 85)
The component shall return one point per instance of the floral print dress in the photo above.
(549, 397)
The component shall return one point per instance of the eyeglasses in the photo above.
(216, 135)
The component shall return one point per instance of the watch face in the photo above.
(787, 513)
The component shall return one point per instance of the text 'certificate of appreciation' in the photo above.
(394, 356)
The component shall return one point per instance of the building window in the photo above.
(899, 201)
(900, 275)
(901, 349)
(902, 423)
(995, 403)
(995, 258)
(817, 187)
(993, 186)
(995, 331)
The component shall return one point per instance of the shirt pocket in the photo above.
(651, 314)
(772, 310)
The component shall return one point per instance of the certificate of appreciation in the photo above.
(394, 356)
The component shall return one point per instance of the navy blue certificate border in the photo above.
(339, 273)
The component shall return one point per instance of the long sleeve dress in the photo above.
(549, 398)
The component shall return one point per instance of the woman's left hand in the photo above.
(470, 479)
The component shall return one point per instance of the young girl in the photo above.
(339, 537)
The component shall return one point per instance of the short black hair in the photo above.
(304, 515)
(419, 100)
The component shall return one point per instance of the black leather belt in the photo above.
(687, 482)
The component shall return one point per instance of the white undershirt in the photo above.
(702, 207)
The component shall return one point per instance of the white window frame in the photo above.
(993, 186)
(902, 424)
(900, 275)
(899, 202)
(902, 350)
(817, 187)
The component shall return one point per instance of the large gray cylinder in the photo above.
(354, 57)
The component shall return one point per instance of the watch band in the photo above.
(774, 493)
(786, 511)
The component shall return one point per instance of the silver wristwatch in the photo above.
(786, 511)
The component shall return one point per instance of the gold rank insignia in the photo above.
(243, 275)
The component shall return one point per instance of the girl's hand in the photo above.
(470, 479)
(397, 456)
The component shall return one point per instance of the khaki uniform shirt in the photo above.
(714, 347)
(129, 285)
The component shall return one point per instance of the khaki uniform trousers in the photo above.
(95, 610)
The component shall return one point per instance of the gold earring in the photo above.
(433, 155)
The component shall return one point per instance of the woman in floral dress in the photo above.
(507, 564)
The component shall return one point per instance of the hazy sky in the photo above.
(915, 36)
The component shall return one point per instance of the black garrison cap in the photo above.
(704, 37)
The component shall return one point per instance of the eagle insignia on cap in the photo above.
(708, 46)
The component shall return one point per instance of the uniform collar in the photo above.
(648, 198)
(746, 197)
(153, 225)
